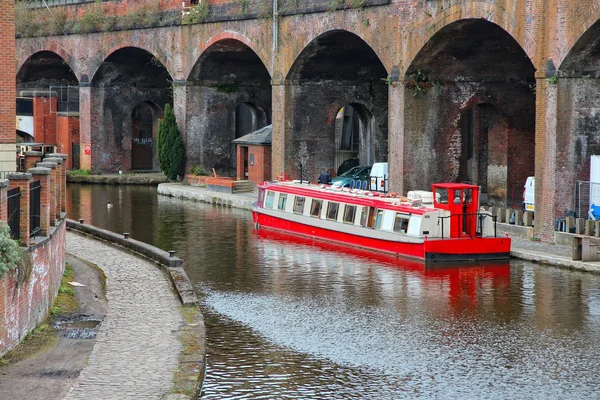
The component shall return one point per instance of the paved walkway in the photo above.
(137, 346)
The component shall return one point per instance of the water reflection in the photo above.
(290, 318)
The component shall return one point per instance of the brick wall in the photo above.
(24, 305)
(7, 72)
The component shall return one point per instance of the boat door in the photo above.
(462, 200)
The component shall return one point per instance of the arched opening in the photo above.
(48, 104)
(337, 71)
(578, 127)
(470, 112)
(353, 131)
(229, 93)
(144, 128)
(129, 92)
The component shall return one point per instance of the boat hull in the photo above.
(455, 250)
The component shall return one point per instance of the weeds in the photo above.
(197, 13)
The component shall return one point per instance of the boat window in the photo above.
(299, 205)
(282, 201)
(363, 216)
(315, 208)
(332, 210)
(371, 217)
(441, 195)
(349, 212)
(414, 228)
(270, 199)
(401, 223)
(378, 219)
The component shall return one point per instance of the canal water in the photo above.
(289, 319)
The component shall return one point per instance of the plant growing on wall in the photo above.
(197, 14)
(418, 82)
(171, 149)
(11, 254)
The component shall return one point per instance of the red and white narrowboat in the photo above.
(444, 225)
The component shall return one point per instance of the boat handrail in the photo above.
(479, 228)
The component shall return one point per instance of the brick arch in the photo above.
(424, 31)
(289, 63)
(55, 48)
(264, 58)
(562, 53)
(93, 69)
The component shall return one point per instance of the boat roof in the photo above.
(451, 185)
(356, 197)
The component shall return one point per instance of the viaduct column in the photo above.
(396, 136)
(7, 87)
(180, 109)
(85, 127)
(545, 158)
(281, 141)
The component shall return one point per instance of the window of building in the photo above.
(315, 208)
(299, 205)
(282, 201)
(401, 223)
(332, 210)
(270, 199)
(349, 212)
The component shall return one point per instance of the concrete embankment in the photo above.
(149, 179)
(123, 279)
(524, 249)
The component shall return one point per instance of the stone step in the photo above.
(243, 187)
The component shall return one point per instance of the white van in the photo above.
(379, 177)
(529, 194)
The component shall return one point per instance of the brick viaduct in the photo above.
(489, 91)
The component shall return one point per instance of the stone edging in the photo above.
(189, 377)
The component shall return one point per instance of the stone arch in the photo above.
(315, 35)
(581, 33)
(227, 73)
(52, 47)
(337, 68)
(43, 69)
(232, 36)
(159, 59)
(471, 73)
(426, 30)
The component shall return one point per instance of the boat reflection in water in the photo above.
(464, 285)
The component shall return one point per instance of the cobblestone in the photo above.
(137, 345)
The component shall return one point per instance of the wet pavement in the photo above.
(137, 344)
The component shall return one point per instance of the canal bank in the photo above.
(523, 249)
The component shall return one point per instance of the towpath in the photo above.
(137, 346)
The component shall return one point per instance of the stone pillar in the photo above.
(54, 213)
(282, 130)
(518, 217)
(32, 158)
(43, 175)
(62, 179)
(396, 136)
(527, 218)
(579, 225)
(3, 200)
(85, 127)
(589, 227)
(61, 183)
(22, 180)
(597, 228)
(180, 109)
(545, 159)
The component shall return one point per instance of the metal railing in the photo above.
(13, 200)
(34, 208)
(464, 219)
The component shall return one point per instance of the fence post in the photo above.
(62, 179)
(22, 180)
(3, 200)
(43, 175)
(53, 190)
(32, 158)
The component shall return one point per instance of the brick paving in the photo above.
(137, 346)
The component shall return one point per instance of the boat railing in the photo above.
(462, 221)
